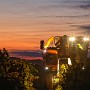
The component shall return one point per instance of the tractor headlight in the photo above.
(44, 51)
(72, 39)
(83, 68)
(86, 39)
(46, 68)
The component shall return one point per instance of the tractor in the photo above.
(58, 50)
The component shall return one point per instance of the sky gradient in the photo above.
(23, 23)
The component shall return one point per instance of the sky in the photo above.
(23, 23)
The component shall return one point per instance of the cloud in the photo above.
(87, 27)
(82, 4)
(67, 16)
(85, 5)
(50, 6)
(83, 28)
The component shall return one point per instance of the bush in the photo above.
(74, 78)
(16, 74)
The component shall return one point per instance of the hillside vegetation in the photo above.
(16, 74)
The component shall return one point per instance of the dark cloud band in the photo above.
(27, 53)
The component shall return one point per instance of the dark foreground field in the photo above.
(75, 78)
(17, 74)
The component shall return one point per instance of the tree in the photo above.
(16, 74)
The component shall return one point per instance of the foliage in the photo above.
(71, 77)
(74, 77)
(16, 74)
